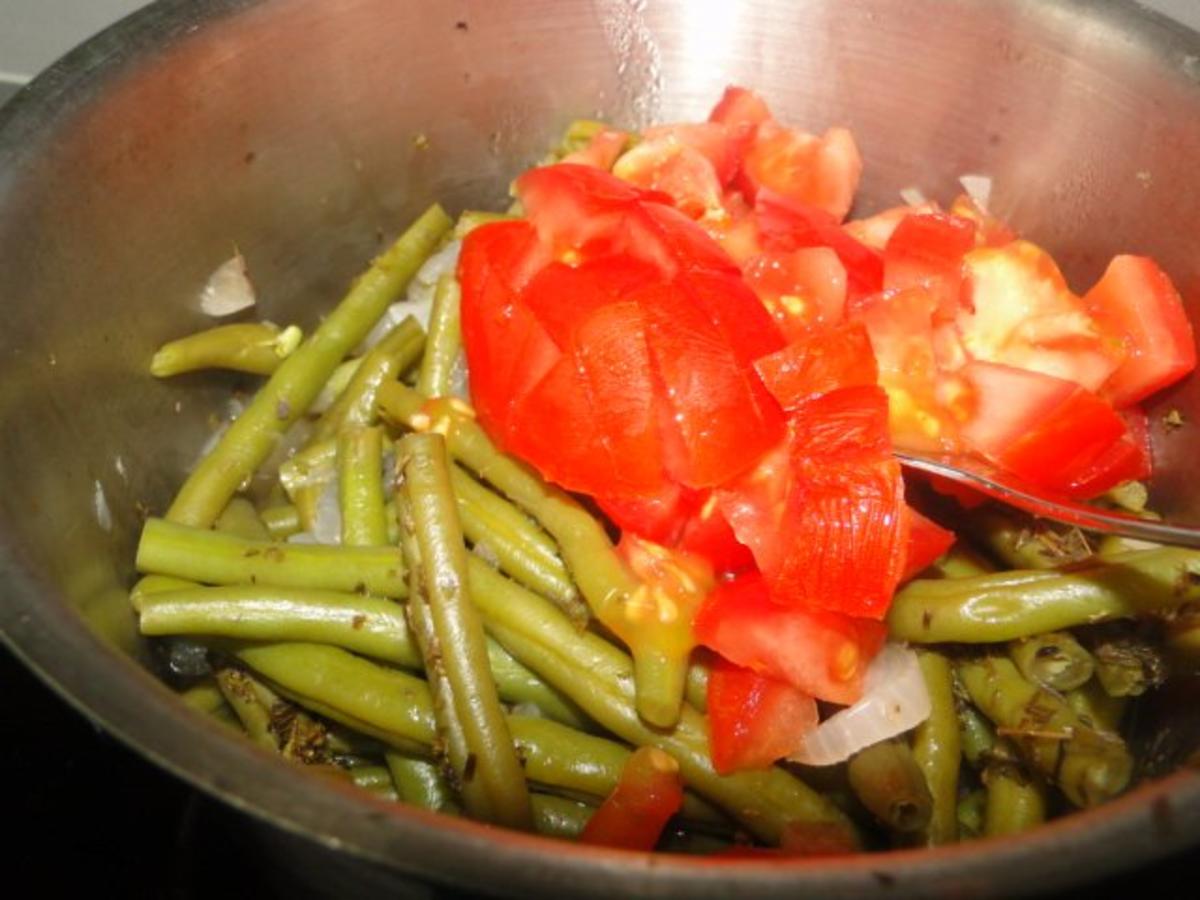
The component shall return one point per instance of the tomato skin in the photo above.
(563, 296)
(754, 720)
(816, 363)
(821, 653)
(720, 418)
(927, 251)
(927, 542)
(1046, 430)
(850, 533)
(1136, 301)
(633, 816)
(822, 172)
(501, 335)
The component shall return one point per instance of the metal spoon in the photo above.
(1010, 489)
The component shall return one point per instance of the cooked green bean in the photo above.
(386, 361)
(447, 626)
(521, 549)
(397, 708)
(295, 384)
(240, 518)
(1128, 665)
(376, 780)
(518, 685)
(473, 218)
(937, 748)
(888, 781)
(254, 347)
(598, 677)
(971, 812)
(360, 486)
(367, 625)
(1009, 605)
(281, 521)
(1054, 660)
(436, 375)
(238, 690)
(1021, 542)
(204, 696)
(1087, 765)
(167, 548)
(156, 584)
(976, 736)
(421, 783)
(660, 636)
(1097, 708)
(559, 817)
(1016, 800)
(961, 562)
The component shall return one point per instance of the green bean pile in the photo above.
(452, 652)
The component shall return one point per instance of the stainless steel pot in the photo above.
(304, 130)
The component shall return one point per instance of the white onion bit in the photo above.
(913, 196)
(100, 504)
(978, 188)
(228, 289)
(894, 700)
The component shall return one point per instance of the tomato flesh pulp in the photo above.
(753, 719)
(823, 654)
(696, 341)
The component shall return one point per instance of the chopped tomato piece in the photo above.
(848, 532)
(786, 224)
(508, 351)
(802, 288)
(563, 296)
(718, 412)
(1046, 430)
(1020, 313)
(927, 251)
(1136, 302)
(927, 542)
(679, 170)
(817, 171)
(577, 208)
(739, 107)
(823, 361)
(823, 513)
(633, 816)
(754, 720)
(821, 653)
(682, 519)
(926, 404)
(715, 141)
(875, 231)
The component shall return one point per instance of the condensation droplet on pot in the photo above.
(100, 505)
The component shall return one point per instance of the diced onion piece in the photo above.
(978, 188)
(894, 700)
(228, 289)
(913, 196)
(327, 514)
